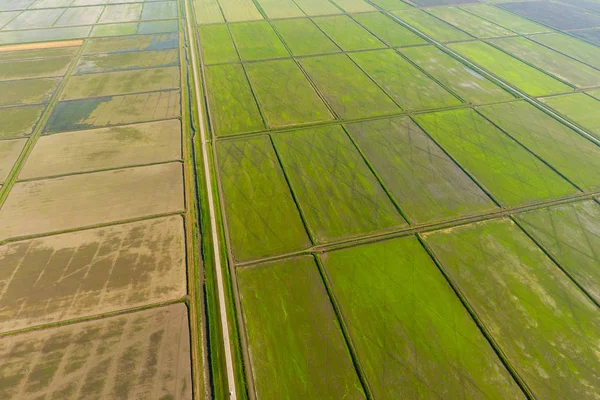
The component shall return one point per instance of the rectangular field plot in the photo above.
(285, 95)
(392, 4)
(317, 7)
(592, 35)
(145, 354)
(34, 19)
(556, 15)
(466, 83)
(19, 121)
(431, 26)
(515, 72)
(115, 110)
(413, 337)
(232, 104)
(469, 23)
(127, 61)
(304, 38)
(79, 16)
(23, 69)
(239, 10)
(74, 201)
(582, 109)
(293, 335)
(257, 41)
(503, 18)
(354, 6)
(217, 44)
(347, 34)
(44, 35)
(337, 192)
(262, 217)
(572, 47)
(403, 82)
(28, 91)
(570, 234)
(9, 152)
(151, 27)
(207, 12)
(280, 8)
(159, 10)
(541, 321)
(121, 82)
(346, 88)
(91, 272)
(388, 30)
(131, 43)
(513, 175)
(561, 66)
(121, 13)
(127, 28)
(104, 148)
(65, 50)
(574, 156)
(425, 182)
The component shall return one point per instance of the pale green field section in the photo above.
(121, 82)
(469, 85)
(239, 10)
(594, 93)
(354, 6)
(469, 23)
(128, 28)
(115, 147)
(139, 355)
(346, 88)
(114, 110)
(207, 11)
(392, 4)
(262, 218)
(572, 47)
(570, 234)
(413, 337)
(39, 53)
(336, 191)
(284, 94)
(388, 30)
(33, 19)
(121, 13)
(9, 153)
(78, 274)
(580, 108)
(304, 38)
(280, 8)
(431, 26)
(347, 34)
(575, 157)
(257, 41)
(232, 104)
(403, 82)
(27, 91)
(131, 43)
(317, 7)
(504, 18)
(425, 182)
(524, 77)
(217, 44)
(79, 16)
(126, 61)
(511, 173)
(293, 334)
(159, 10)
(559, 65)
(538, 317)
(19, 121)
(44, 206)
(47, 35)
(24, 69)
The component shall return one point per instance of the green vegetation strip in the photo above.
(469, 23)
(217, 44)
(580, 108)
(504, 18)
(304, 38)
(257, 41)
(347, 33)
(572, 47)
(431, 26)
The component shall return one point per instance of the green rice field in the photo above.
(300, 199)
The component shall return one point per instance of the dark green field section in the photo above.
(19, 121)
(572, 155)
(293, 335)
(472, 24)
(144, 354)
(284, 94)
(510, 172)
(114, 110)
(413, 337)
(217, 45)
(252, 182)
(424, 181)
(232, 104)
(582, 109)
(572, 47)
(304, 38)
(27, 91)
(431, 26)
(513, 71)
(539, 318)
(347, 34)
(505, 19)
(257, 41)
(24, 69)
(346, 88)
(466, 83)
(336, 191)
(388, 30)
(409, 87)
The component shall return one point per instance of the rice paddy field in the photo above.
(299, 199)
